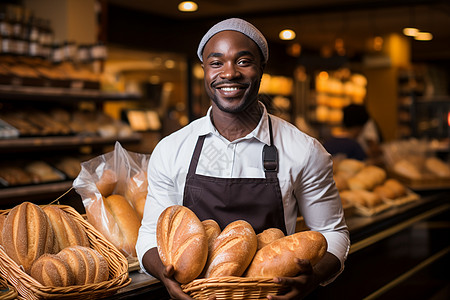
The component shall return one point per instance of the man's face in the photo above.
(233, 69)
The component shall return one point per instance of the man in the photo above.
(239, 162)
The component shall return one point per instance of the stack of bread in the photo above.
(199, 249)
(51, 246)
(118, 214)
(367, 187)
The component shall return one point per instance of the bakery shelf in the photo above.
(9, 195)
(32, 93)
(43, 143)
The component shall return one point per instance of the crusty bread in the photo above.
(2, 221)
(268, 236)
(67, 231)
(232, 251)
(396, 186)
(51, 270)
(27, 234)
(182, 242)
(278, 258)
(127, 221)
(107, 182)
(212, 232)
(86, 264)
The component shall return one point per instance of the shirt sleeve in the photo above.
(161, 194)
(320, 204)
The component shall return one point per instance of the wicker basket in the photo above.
(29, 288)
(232, 288)
(7, 291)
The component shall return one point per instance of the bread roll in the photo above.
(437, 167)
(182, 242)
(370, 199)
(232, 251)
(407, 169)
(127, 221)
(349, 167)
(268, 236)
(2, 221)
(67, 231)
(86, 264)
(27, 234)
(384, 192)
(396, 186)
(136, 191)
(212, 230)
(51, 270)
(107, 182)
(278, 258)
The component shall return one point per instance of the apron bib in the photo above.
(255, 200)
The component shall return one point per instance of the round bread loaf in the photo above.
(182, 242)
(278, 258)
(107, 182)
(268, 236)
(232, 251)
(87, 265)
(27, 234)
(51, 270)
(67, 231)
(384, 192)
(396, 186)
(212, 230)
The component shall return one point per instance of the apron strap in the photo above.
(270, 155)
(196, 155)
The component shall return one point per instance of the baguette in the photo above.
(107, 182)
(232, 251)
(136, 192)
(51, 270)
(27, 234)
(278, 258)
(182, 242)
(212, 232)
(67, 231)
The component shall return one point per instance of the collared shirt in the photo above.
(305, 176)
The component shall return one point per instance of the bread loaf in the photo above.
(107, 182)
(268, 236)
(232, 251)
(212, 230)
(86, 264)
(2, 221)
(182, 242)
(125, 235)
(437, 167)
(278, 258)
(67, 231)
(136, 191)
(396, 186)
(27, 234)
(51, 270)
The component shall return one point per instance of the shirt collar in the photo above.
(261, 131)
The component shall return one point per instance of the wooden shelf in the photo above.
(44, 143)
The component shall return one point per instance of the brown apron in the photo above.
(255, 200)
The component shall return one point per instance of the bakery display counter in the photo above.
(409, 241)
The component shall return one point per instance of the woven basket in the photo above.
(232, 288)
(29, 288)
(7, 291)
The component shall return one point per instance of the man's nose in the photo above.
(230, 71)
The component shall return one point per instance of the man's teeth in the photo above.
(229, 89)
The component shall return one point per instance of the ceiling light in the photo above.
(187, 6)
(423, 36)
(410, 31)
(287, 34)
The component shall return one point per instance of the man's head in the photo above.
(233, 53)
(355, 116)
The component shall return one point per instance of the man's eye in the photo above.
(244, 62)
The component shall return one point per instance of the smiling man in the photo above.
(240, 163)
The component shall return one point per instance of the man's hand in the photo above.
(172, 286)
(299, 286)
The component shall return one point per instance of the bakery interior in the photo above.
(80, 79)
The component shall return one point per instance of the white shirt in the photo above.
(304, 172)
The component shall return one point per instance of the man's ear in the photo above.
(262, 67)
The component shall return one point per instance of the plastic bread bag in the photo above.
(113, 188)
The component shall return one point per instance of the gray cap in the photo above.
(238, 25)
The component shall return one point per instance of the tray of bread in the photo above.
(68, 257)
(233, 262)
(368, 188)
